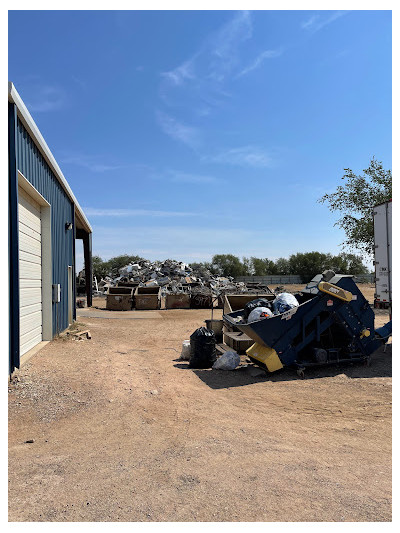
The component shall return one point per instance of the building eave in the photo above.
(33, 130)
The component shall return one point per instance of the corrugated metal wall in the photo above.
(36, 170)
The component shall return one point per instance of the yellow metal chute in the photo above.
(265, 355)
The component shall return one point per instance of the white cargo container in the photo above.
(383, 254)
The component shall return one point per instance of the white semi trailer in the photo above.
(383, 254)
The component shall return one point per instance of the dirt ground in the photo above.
(123, 431)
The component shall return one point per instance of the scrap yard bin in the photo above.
(176, 301)
(201, 301)
(147, 297)
(132, 285)
(333, 323)
(119, 299)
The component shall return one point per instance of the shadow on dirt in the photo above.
(182, 365)
(380, 366)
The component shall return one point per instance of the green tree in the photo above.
(263, 267)
(258, 266)
(247, 267)
(346, 263)
(355, 264)
(355, 200)
(307, 265)
(99, 267)
(228, 265)
(282, 266)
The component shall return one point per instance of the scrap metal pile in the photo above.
(175, 277)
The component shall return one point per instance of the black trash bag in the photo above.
(258, 302)
(202, 348)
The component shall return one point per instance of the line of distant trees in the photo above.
(305, 265)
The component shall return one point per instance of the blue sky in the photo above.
(189, 133)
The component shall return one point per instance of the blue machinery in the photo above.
(334, 323)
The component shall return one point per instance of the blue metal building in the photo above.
(45, 219)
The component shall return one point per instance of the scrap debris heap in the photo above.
(174, 277)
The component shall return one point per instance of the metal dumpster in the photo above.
(201, 300)
(179, 300)
(147, 297)
(333, 323)
(131, 284)
(119, 299)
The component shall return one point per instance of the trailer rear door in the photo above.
(383, 253)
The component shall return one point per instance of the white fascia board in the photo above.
(33, 130)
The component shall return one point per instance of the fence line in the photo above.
(293, 279)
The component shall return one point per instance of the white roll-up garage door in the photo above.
(30, 271)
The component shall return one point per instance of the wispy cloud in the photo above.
(200, 83)
(309, 22)
(90, 162)
(339, 55)
(236, 30)
(202, 77)
(317, 21)
(182, 177)
(267, 54)
(178, 130)
(82, 84)
(46, 98)
(226, 43)
(247, 156)
(99, 212)
(203, 111)
(183, 72)
(216, 56)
